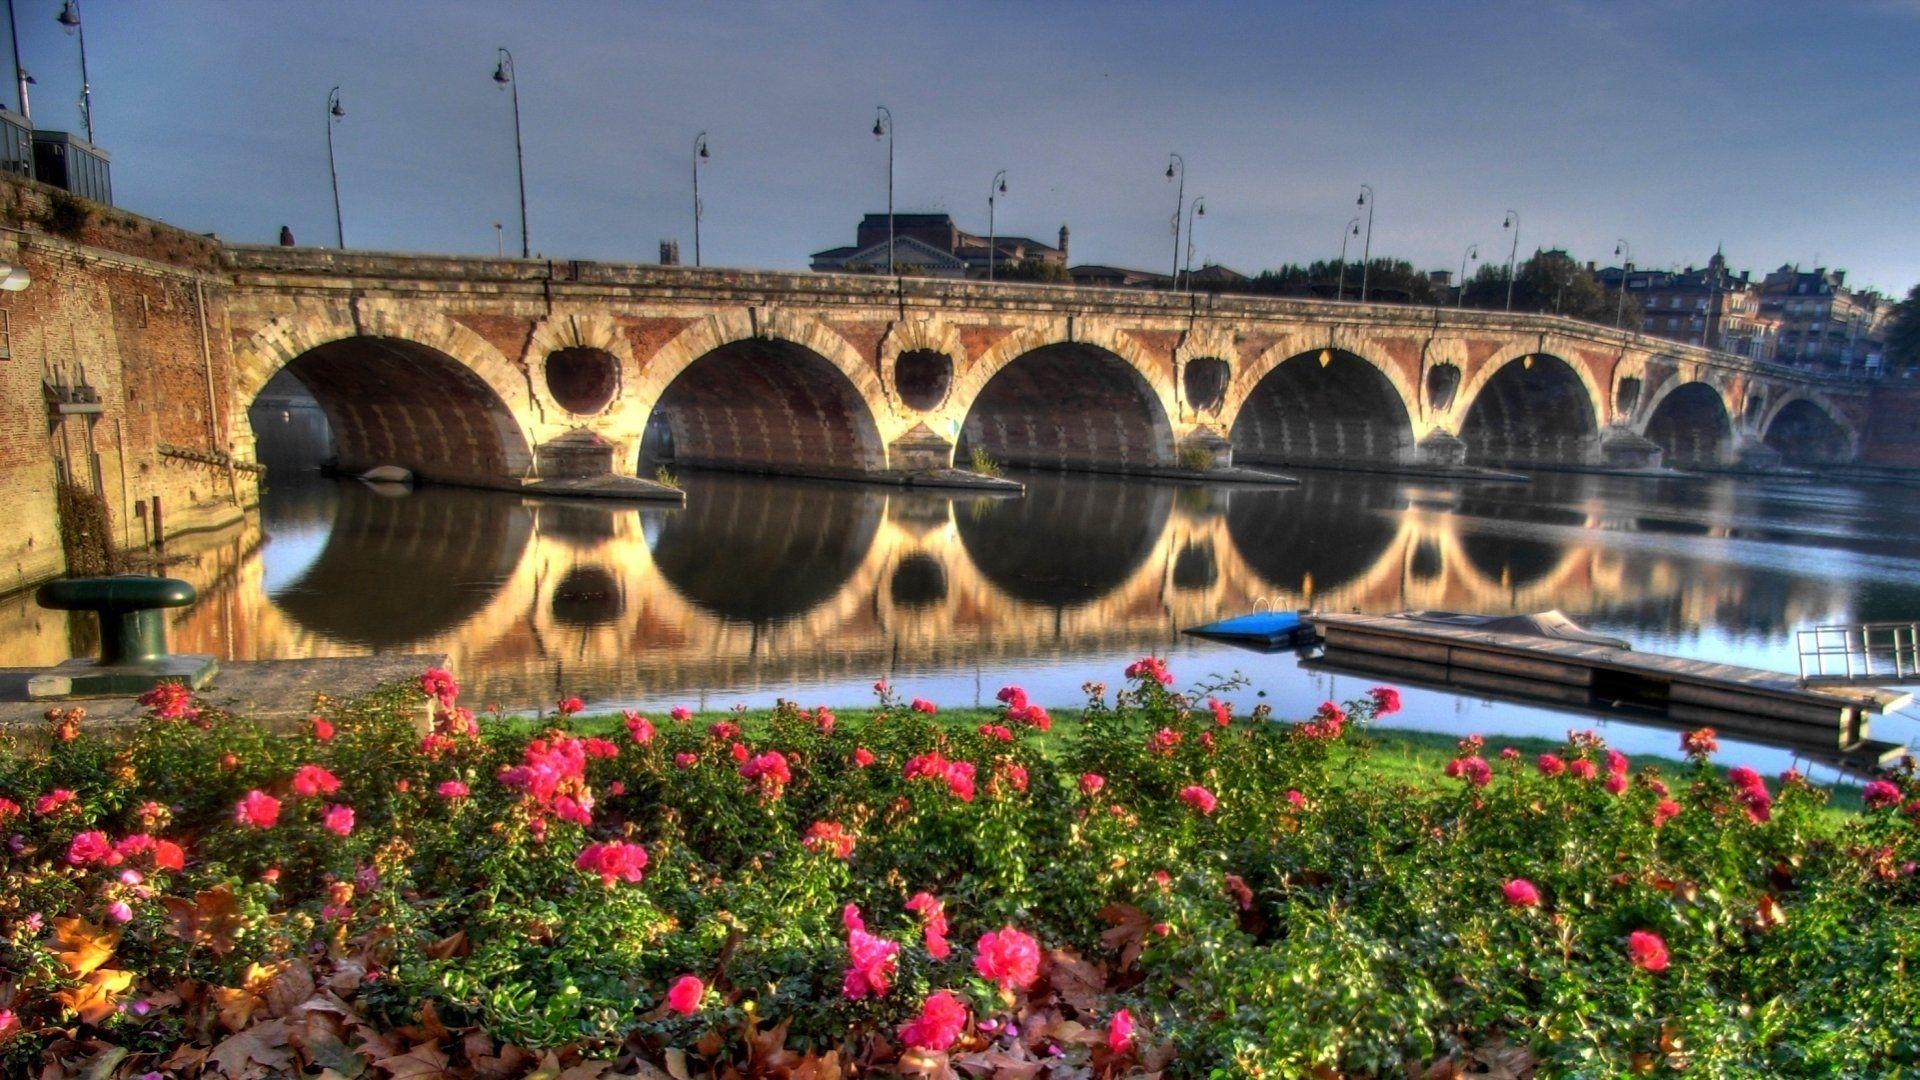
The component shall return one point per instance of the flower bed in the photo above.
(1161, 887)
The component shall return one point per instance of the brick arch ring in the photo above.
(1545, 345)
(967, 385)
(1301, 343)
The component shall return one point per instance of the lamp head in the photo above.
(703, 152)
(69, 16)
(335, 109)
(1003, 187)
(500, 73)
(1355, 230)
(1169, 170)
(1200, 209)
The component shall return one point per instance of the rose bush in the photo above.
(1158, 885)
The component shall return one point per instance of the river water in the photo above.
(761, 588)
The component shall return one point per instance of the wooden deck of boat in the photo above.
(1674, 684)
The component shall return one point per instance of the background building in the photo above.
(932, 245)
(1710, 307)
(1822, 322)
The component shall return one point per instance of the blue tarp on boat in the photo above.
(1272, 629)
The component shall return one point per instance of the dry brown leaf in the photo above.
(93, 999)
(449, 947)
(82, 946)
(925, 1063)
(209, 919)
(1128, 934)
(260, 1050)
(1077, 981)
(424, 1062)
(237, 1006)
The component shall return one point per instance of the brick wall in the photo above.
(119, 304)
(1893, 428)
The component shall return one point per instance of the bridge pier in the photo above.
(1622, 448)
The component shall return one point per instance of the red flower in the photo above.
(1009, 959)
(1742, 777)
(569, 705)
(1647, 951)
(824, 719)
(829, 837)
(170, 701)
(870, 965)
(614, 860)
(1550, 765)
(439, 685)
(1474, 770)
(1012, 697)
(723, 730)
(1521, 893)
(680, 713)
(941, 1021)
(922, 705)
(685, 760)
(1616, 783)
(1239, 892)
(1701, 743)
(684, 995)
(740, 752)
(1222, 712)
(1150, 667)
(1880, 795)
(1091, 783)
(258, 809)
(1163, 741)
(1386, 700)
(1199, 798)
(862, 756)
(1616, 763)
(596, 747)
(168, 856)
(314, 780)
(1664, 812)
(322, 730)
(338, 819)
(768, 772)
(1581, 769)
(91, 847)
(935, 935)
(1120, 1032)
(57, 799)
(639, 728)
(1296, 799)
(452, 789)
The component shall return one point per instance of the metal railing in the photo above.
(1861, 652)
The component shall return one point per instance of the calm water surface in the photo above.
(761, 588)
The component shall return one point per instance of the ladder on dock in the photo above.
(1887, 652)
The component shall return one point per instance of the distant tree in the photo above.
(1390, 281)
(1032, 269)
(1550, 282)
(1903, 333)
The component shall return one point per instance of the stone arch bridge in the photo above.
(491, 372)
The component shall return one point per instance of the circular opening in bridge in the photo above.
(923, 378)
(919, 581)
(1206, 383)
(583, 380)
(1627, 396)
(587, 596)
(1443, 381)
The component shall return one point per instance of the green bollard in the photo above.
(133, 637)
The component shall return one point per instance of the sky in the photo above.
(1787, 132)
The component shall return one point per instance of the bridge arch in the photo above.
(1807, 431)
(1692, 421)
(1531, 408)
(1094, 402)
(1325, 404)
(399, 386)
(789, 395)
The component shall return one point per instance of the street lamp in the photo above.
(22, 80)
(883, 125)
(1472, 252)
(1512, 222)
(998, 187)
(503, 75)
(1625, 251)
(1347, 232)
(1176, 163)
(70, 18)
(499, 241)
(334, 113)
(1197, 209)
(1366, 249)
(700, 155)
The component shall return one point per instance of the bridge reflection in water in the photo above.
(762, 585)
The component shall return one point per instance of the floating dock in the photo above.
(1829, 723)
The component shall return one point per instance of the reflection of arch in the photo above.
(1326, 405)
(1536, 408)
(399, 386)
(1070, 405)
(1691, 422)
(746, 557)
(397, 572)
(1069, 541)
(1806, 432)
(1285, 539)
(769, 404)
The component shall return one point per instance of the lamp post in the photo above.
(504, 76)
(1176, 163)
(1348, 232)
(700, 155)
(21, 79)
(1625, 251)
(70, 18)
(1366, 249)
(998, 187)
(499, 241)
(1198, 208)
(1512, 221)
(334, 113)
(883, 125)
(1472, 252)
